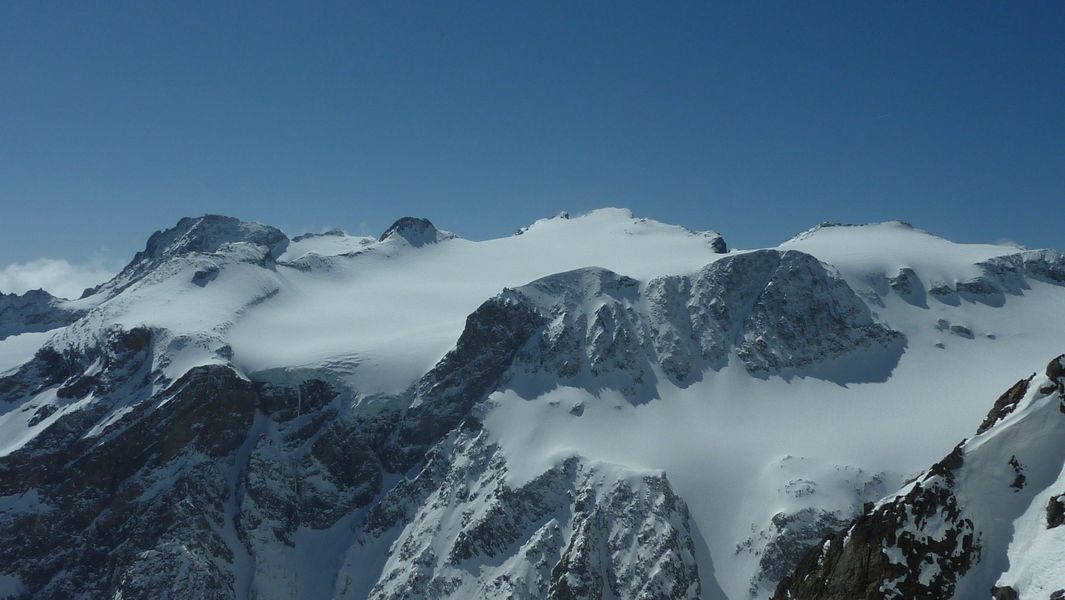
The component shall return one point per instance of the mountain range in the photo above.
(598, 406)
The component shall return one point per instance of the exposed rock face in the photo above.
(103, 511)
(800, 314)
(494, 334)
(1004, 593)
(1005, 404)
(138, 487)
(717, 242)
(779, 312)
(941, 536)
(786, 541)
(577, 531)
(1056, 511)
(34, 311)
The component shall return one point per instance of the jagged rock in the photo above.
(981, 289)
(789, 537)
(206, 234)
(628, 532)
(1005, 404)
(204, 276)
(341, 456)
(105, 514)
(1019, 481)
(166, 494)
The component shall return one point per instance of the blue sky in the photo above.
(755, 119)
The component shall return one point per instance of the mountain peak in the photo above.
(206, 233)
(416, 231)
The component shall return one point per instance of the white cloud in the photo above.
(56, 276)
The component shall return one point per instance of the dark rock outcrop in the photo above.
(1004, 593)
(1056, 511)
(1005, 404)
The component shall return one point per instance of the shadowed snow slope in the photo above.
(599, 406)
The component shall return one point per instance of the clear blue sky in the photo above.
(757, 119)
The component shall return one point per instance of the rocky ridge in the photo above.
(948, 533)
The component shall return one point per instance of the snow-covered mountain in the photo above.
(595, 407)
(36, 311)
